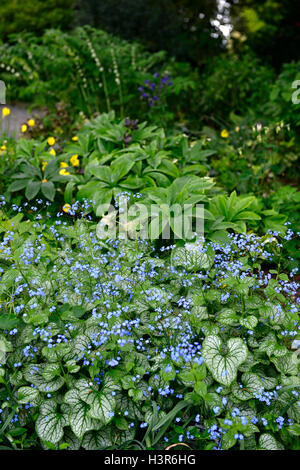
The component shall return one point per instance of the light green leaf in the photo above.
(33, 373)
(102, 405)
(227, 316)
(51, 371)
(191, 258)
(287, 365)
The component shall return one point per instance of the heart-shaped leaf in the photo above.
(49, 425)
(223, 362)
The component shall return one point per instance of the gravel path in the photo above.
(18, 116)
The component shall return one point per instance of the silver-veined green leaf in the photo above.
(287, 365)
(249, 322)
(27, 395)
(223, 362)
(251, 384)
(51, 371)
(49, 424)
(33, 373)
(79, 419)
(102, 405)
(227, 316)
(72, 440)
(268, 442)
(95, 440)
(191, 257)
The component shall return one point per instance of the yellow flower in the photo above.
(74, 160)
(66, 208)
(5, 112)
(63, 165)
(44, 180)
(44, 164)
(64, 172)
(3, 147)
(31, 122)
(52, 151)
(75, 138)
(224, 134)
(24, 128)
(51, 141)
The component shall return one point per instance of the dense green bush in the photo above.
(91, 71)
(252, 154)
(112, 155)
(234, 84)
(34, 16)
(287, 84)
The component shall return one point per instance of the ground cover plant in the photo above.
(119, 345)
(124, 326)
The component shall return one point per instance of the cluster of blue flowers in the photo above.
(152, 89)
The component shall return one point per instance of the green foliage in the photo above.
(116, 344)
(24, 15)
(32, 179)
(182, 28)
(147, 335)
(253, 155)
(281, 105)
(234, 83)
(113, 156)
(270, 28)
(90, 71)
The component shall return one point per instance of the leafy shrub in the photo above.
(110, 156)
(252, 154)
(90, 71)
(24, 15)
(233, 84)
(280, 105)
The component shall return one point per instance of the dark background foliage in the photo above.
(272, 28)
(183, 27)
